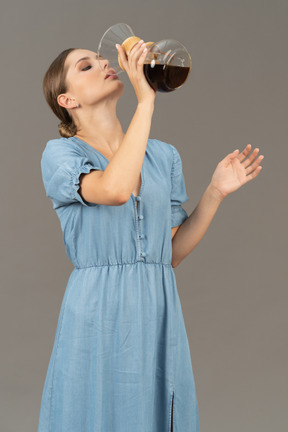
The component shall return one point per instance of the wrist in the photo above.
(215, 194)
(147, 104)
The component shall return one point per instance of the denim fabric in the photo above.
(121, 350)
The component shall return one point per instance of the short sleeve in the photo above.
(62, 163)
(178, 191)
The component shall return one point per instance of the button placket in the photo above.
(140, 236)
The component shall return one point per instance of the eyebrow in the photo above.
(86, 58)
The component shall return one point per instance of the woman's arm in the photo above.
(191, 231)
(174, 230)
(114, 185)
(231, 173)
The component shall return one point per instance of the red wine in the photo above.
(165, 78)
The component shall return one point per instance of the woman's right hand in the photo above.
(133, 65)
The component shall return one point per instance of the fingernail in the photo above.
(117, 46)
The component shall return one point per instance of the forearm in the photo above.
(124, 169)
(195, 226)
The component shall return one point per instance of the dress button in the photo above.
(141, 236)
(143, 254)
(138, 198)
(140, 216)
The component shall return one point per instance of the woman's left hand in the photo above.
(235, 170)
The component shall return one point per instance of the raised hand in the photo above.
(235, 170)
(133, 65)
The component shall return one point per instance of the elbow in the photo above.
(173, 264)
(116, 195)
(121, 198)
(117, 192)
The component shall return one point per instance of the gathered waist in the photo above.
(124, 264)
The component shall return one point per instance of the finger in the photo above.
(245, 152)
(254, 165)
(143, 49)
(226, 161)
(135, 47)
(253, 174)
(135, 51)
(127, 59)
(122, 55)
(251, 158)
(142, 58)
(137, 56)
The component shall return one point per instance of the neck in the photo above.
(100, 128)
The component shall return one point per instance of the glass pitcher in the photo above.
(167, 64)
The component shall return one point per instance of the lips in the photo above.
(110, 73)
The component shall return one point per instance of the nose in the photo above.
(104, 63)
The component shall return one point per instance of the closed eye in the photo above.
(84, 69)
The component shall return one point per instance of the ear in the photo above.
(65, 101)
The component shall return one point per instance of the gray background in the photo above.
(233, 286)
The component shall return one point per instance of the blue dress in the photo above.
(121, 359)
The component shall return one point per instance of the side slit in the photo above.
(172, 406)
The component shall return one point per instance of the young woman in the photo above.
(121, 359)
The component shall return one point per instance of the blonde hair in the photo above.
(54, 83)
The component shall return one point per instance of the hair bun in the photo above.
(67, 130)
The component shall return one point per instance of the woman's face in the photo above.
(85, 78)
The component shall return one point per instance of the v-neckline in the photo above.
(107, 160)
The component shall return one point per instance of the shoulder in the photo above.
(58, 144)
(59, 150)
(161, 148)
